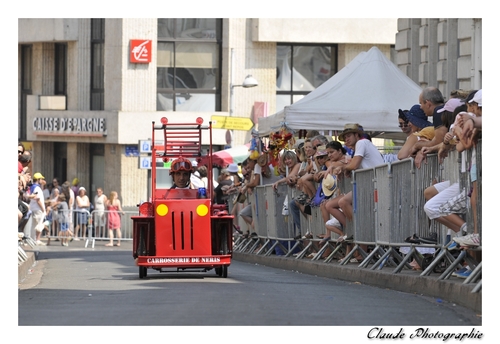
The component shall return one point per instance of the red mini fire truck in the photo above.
(181, 229)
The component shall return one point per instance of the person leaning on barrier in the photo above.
(417, 120)
(469, 124)
(195, 177)
(439, 131)
(246, 212)
(224, 183)
(63, 216)
(99, 222)
(294, 206)
(82, 211)
(114, 207)
(289, 162)
(449, 121)
(366, 155)
(475, 106)
(305, 182)
(403, 122)
(70, 199)
(337, 157)
(431, 100)
(234, 189)
(445, 201)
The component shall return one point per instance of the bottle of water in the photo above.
(202, 193)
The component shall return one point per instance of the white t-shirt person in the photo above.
(370, 154)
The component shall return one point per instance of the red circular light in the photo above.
(199, 120)
(164, 120)
(146, 209)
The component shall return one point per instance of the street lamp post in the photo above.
(249, 81)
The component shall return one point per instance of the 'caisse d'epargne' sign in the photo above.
(69, 125)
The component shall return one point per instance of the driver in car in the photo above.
(181, 170)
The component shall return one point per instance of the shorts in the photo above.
(333, 222)
(81, 218)
(456, 205)
(64, 227)
(38, 218)
(433, 206)
(247, 211)
(442, 186)
(99, 220)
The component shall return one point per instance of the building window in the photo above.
(26, 77)
(97, 64)
(301, 69)
(60, 68)
(188, 69)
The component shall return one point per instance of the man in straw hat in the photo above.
(366, 155)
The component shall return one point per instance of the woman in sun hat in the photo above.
(417, 120)
(234, 171)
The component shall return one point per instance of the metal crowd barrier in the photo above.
(91, 232)
(388, 204)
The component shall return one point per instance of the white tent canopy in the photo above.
(368, 91)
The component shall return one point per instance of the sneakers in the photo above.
(461, 271)
(463, 274)
(76, 239)
(468, 240)
(40, 243)
(453, 246)
(65, 244)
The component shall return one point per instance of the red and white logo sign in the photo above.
(140, 51)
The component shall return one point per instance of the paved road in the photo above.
(77, 286)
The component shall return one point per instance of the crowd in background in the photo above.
(315, 164)
(63, 212)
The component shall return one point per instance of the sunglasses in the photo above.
(20, 152)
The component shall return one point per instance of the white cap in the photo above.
(233, 168)
(297, 143)
(478, 98)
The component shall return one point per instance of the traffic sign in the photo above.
(145, 146)
(145, 162)
(232, 123)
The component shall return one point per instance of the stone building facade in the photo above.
(84, 106)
